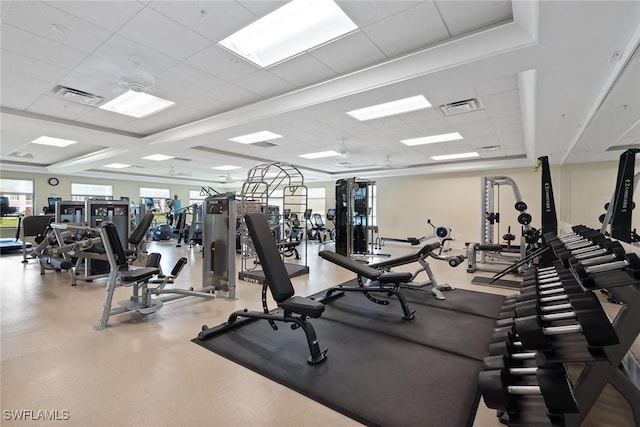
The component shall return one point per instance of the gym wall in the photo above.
(405, 203)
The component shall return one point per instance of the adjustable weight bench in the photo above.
(380, 280)
(293, 309)
(420, 257)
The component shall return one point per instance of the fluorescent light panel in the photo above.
(399, 106)
(320, 155)
(226, 167)
(54, 142)
(158, 157)
(251, 138)
(117, 165)
(297, 26)
(432, 139)
(136, 104)
(456, 156)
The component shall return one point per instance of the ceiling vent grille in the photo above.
(623, 147)
(182, 159)
(75, 95)
(264, 144)
(459, 107)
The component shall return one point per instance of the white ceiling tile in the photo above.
(366, 13)
(195, 100)
(474, 116)
(463, 17)
(510, 97)
(16, 83)
(495, 85)
(57, 107)
(219, 19)
(233, 95)
(349, 53)
(103, 118)
(262, 7)
(124, 53)
(264, 84)
(411, 29)
(38, 18)
(154, 30)
(503, 112)
(31, 67)
(302, 70)
(190, 77)
(97, 84)
(28, 44)
(105, 13)
(221, 63)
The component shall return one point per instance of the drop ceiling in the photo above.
(538, 70)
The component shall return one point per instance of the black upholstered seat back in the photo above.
(141, 230)
(116, 245)
(275, 272)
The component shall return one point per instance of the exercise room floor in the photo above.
(146, 372)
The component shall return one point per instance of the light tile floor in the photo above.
(146, 372)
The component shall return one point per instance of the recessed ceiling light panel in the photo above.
(54, 142)
(137, 104)
(320, 155)
(252, 138)
(117, 166)
(158, 157)
(296, 27)
(226, 167)
(432, 139)
(456, 156)
(399, 106)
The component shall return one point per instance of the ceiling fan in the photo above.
(173, 172)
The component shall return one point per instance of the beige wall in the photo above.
(405, 203)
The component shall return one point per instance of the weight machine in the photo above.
(258, 197)
(219, 243)
(489, 250)
(354, 217)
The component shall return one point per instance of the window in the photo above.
(316, 201)
(196, 196)
(81, 192)
(18, 194)
(156, 200)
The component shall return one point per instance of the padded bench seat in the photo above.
(304, 306)
(138, 275)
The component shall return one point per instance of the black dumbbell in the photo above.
(505, 362)
(566, 314)
(587, 274)
(593, 324)
(614, 249)
(500, 390)
(569, 289)
(585, 301)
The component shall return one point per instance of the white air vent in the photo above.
(264, 144)
(352, 166)
(489, 148)
(459, 107)
(75, 95)
(623, 147)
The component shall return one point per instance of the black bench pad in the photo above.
(137, 275)
(304, 306)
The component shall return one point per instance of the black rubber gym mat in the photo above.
(499, 283)
(380, 370)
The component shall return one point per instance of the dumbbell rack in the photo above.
(596, 375)
(603, 364)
